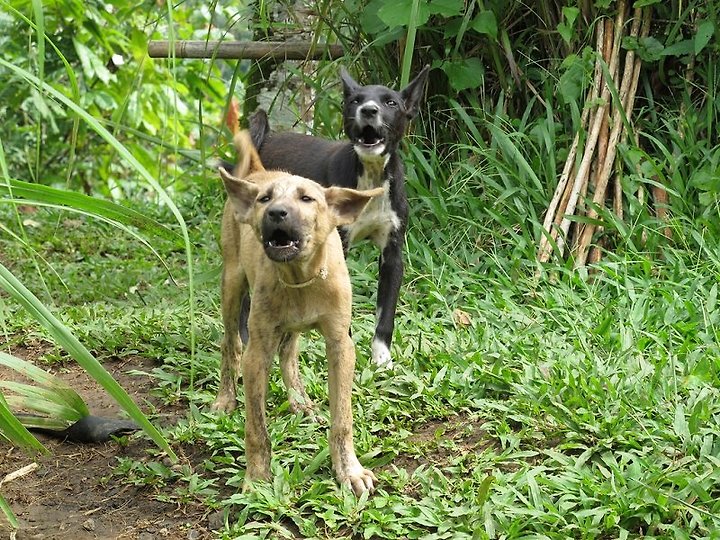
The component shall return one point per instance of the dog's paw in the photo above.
(359, 479)
(381, 355)
(224, 403)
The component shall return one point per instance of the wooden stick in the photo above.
(253, 50)
(626, 87)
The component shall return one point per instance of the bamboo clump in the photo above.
(602, 122)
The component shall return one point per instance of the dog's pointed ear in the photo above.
(349, 84)
(241, 193)
(347, 204)
(413, 93)
(248, 158)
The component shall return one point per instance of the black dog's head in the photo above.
(375, 117)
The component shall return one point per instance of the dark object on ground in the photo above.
(93, 429)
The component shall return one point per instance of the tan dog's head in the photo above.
(291, 215)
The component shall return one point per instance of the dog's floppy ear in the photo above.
(347, 203)
(412, 94)
(349, 84)
(242, 194)
(248, 158)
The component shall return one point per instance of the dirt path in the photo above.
(72, 494)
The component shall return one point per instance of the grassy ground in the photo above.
(520, 407)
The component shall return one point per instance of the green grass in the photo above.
(557, 407)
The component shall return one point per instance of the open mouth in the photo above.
(369, 137)
(281, 244)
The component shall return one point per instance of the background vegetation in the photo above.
(530, 401)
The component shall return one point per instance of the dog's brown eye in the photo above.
(264, 199)
(391, 103)
(306, 198)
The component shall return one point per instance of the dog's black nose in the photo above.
(369, 111)
(277, 214)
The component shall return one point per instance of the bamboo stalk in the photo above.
(584, 169)
(253, 50)
(558, 204)
(627, 95)
(602, 140)
(577, 228)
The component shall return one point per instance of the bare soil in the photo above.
(73, 494)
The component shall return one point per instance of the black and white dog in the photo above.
(375, 119)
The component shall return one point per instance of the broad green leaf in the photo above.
(680, 48)
(565, 31)
(447, 8)
(645, 3)
(570, 13)
(92, 65)
(485, 23)
(705, 32)
(576, 74)
(47, 386)
(680, 425)
(399, 13)
(484, 490)
(465, 73)
(650, 49)
(712, 298)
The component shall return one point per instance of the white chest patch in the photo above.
(378, 219)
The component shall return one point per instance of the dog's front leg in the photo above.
(255, 369)
(341, 367)
(389, 282)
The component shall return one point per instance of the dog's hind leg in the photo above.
(298, 399)
(341, 368)
(234, 288)
(244, 315)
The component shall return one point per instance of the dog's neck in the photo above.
(303, 274)
(373, 174)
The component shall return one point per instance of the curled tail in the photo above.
(248, 158)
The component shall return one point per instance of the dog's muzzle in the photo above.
(281, 241)
(368, 133)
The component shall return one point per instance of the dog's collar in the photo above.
(322, 274)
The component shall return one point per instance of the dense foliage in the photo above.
(529, 400)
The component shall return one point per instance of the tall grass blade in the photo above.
(5, 507)
(91, 205)
(58, 391)
(410, 44)
(15, 432)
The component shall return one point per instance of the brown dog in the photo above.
(279, 238)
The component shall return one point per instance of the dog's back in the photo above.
(330, 163)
